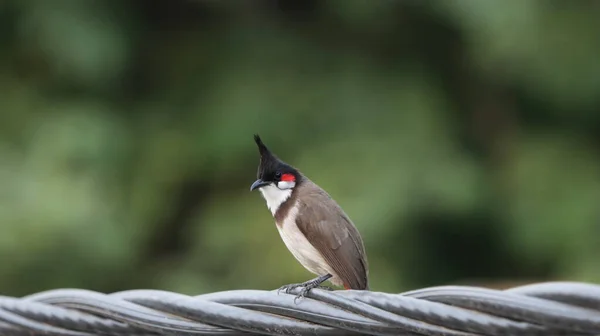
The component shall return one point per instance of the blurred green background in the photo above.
(462, 137)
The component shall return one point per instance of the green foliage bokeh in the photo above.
(462, 138)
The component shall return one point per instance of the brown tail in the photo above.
(346, 287)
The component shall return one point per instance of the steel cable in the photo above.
(555, 308)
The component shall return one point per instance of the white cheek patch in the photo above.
(275, 196)
(286, 184)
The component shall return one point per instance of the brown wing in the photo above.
(332, 233)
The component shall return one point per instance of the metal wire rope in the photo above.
(555, 308)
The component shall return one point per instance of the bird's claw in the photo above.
(304, 292)
(308, 285)
(288, 288)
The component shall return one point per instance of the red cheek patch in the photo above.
(288, 177)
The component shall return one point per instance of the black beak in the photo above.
(258, 184)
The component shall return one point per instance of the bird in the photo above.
(312, 225)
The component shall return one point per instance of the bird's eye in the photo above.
(278, 175)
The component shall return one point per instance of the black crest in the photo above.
(263, 150)
(269, 162)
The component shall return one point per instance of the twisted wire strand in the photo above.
(554, 308)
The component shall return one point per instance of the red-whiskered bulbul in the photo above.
(312, 225)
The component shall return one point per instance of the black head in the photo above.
(272, 170)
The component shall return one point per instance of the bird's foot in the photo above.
(308, 285)
(288, 288)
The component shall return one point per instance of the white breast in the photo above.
(300, 247)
